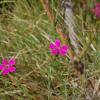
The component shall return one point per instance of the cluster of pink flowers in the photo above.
(57, 49)
(7, 66)
(97, 10)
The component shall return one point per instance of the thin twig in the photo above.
(46, 7)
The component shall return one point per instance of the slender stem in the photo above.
(45, 4)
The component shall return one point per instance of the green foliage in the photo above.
(26, 33)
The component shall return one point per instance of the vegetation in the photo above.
(26, 32)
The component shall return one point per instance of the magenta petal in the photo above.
(62, 53)
(52, 46)
(12, 69)
(99, 15)
(1, 67)
(54, 52)
(6, 71)
(98, 5)
(57, 42)
(96, 11)
(4, 61)
(12, 62)
(65, 47)
(63, 50)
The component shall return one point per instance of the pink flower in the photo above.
(57, 49)
(8, 66)
(97, 10)
(98, 5)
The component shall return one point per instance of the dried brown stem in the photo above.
(45, 4)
